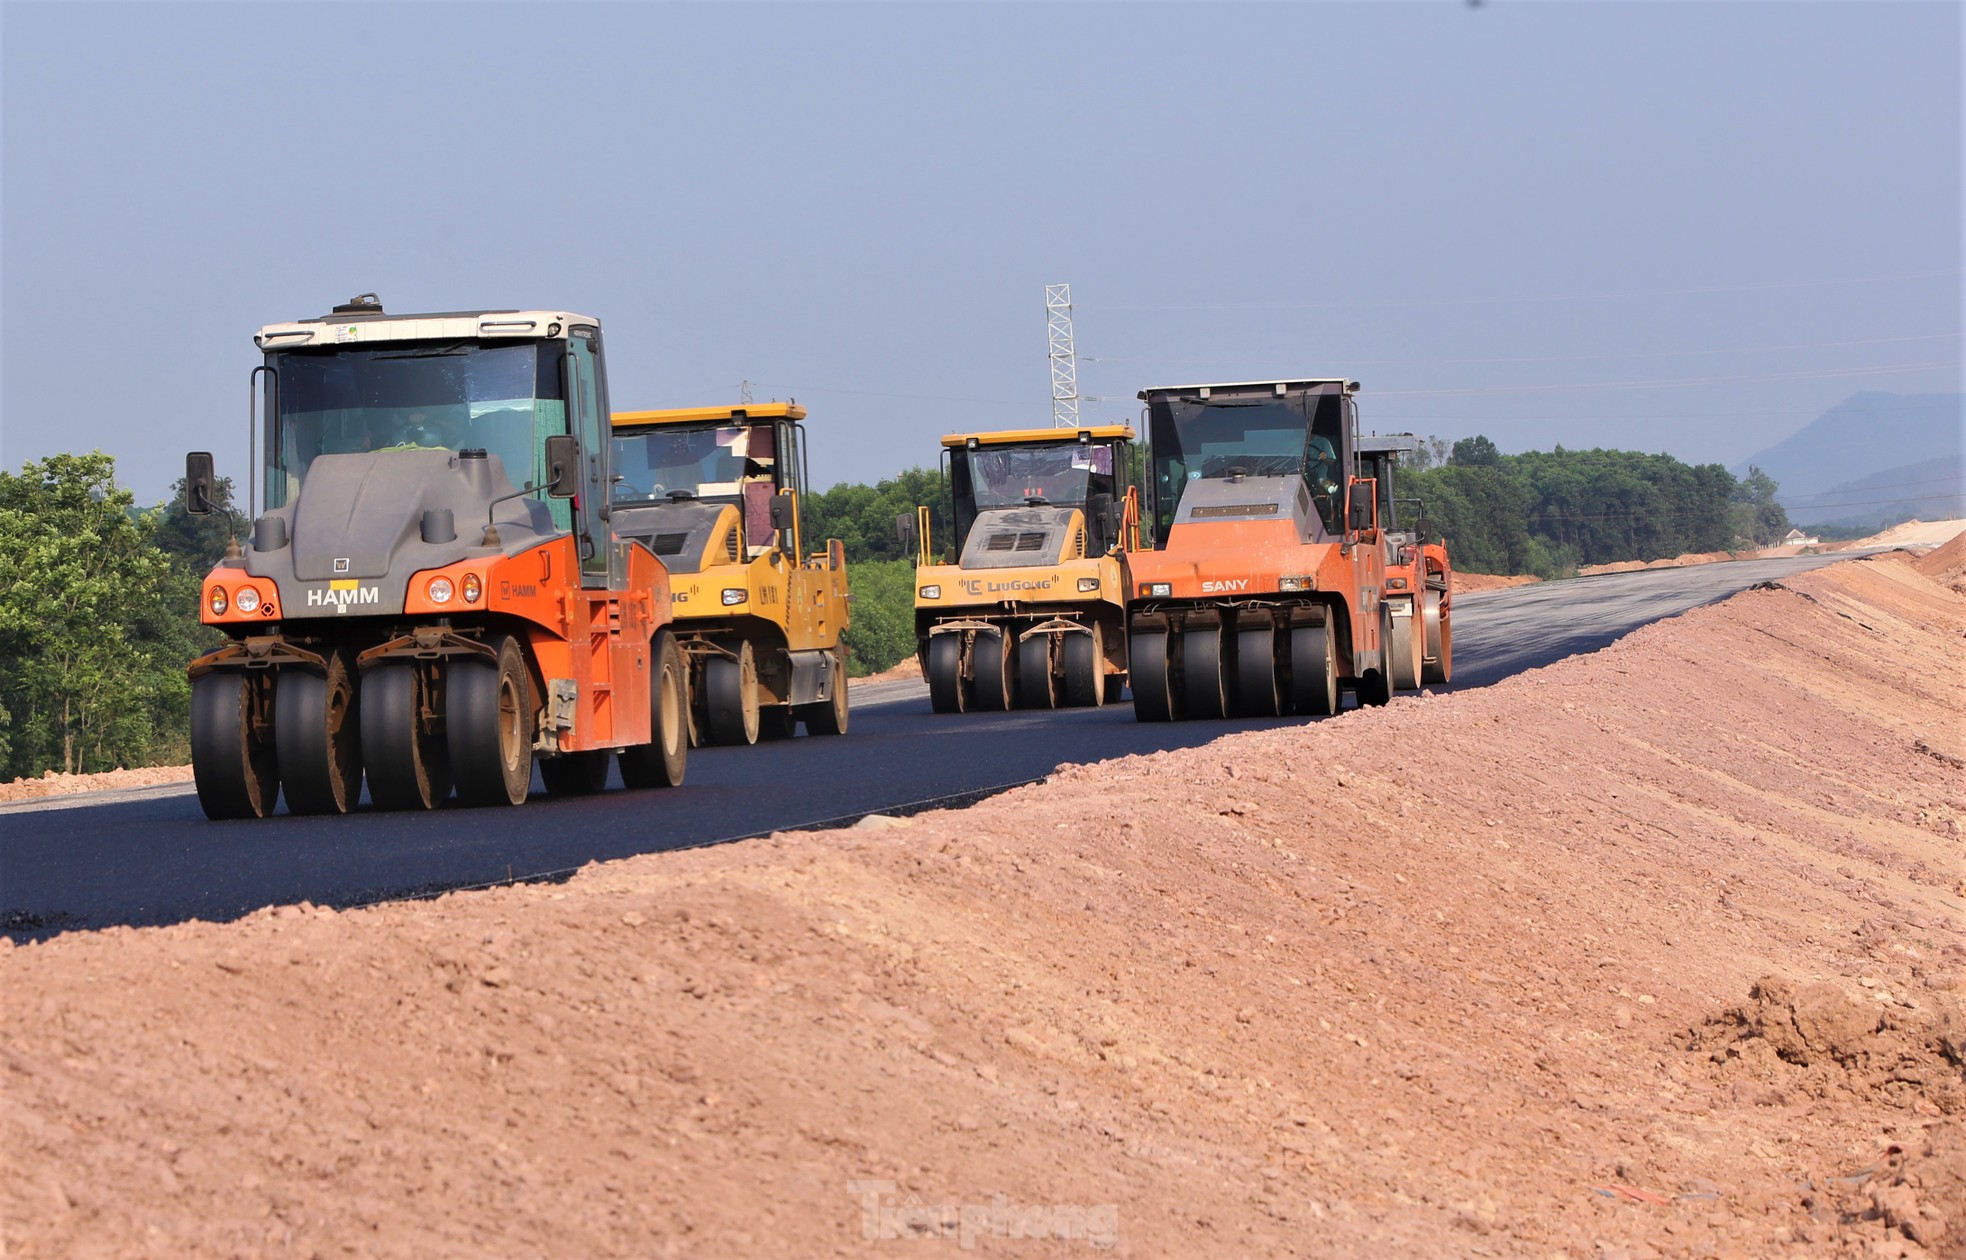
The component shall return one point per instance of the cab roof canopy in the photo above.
(1024, 437)
(736, 413)
(362, 320)
(1243, 387)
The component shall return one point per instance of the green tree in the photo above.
(196, 542)
(95, 622)
(882, 632)
(1756, 518)
(862, 517)
(1476, 452)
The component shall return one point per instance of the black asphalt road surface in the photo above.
(148, 856)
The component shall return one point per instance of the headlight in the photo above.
(930, 592)
(1157, 590)
(1296, 584)
(472, 588)
(1088, 584)
(219, 601)
(248, 599)
(735, 595)
(441, 590)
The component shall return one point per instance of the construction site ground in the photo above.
(1651, 952)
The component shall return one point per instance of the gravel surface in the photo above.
(1651, 952)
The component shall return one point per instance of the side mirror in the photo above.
(1420, 528)
(905, 531)
(1102, 515)
(1359, 506)
(200, 484)
(562, 466)
(782, 511)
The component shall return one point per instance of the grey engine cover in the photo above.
(366, 510)
(1004, 538)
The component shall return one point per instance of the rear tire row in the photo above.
(1256, 672)
(1043, 671)
(417, 730)
(734, 711)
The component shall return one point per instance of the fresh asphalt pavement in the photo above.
(148, 856)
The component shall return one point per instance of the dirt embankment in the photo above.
(1655, 952)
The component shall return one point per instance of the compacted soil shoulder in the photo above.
(1655, 952)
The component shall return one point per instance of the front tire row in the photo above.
(418, 729)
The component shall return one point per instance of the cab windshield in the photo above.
(502, 397)
(1062, 475)
(705, 461)
(1193, 439)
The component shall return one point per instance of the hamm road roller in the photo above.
(430, 591)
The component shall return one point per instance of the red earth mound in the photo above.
(1654, 952)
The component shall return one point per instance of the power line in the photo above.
(1827, 374)
(1556, 358)
(1779, 286)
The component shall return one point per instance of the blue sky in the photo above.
(1688, 228)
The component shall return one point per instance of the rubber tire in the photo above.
(1405, 653)
(1313, 671)
(1259, 692)
(576, 774)
(1036, 687)
(1375, 686)
(829, 717)
(945, 673)
(488, 722)
(1204, 673)
(1114, 689)
(776, 722)
(1437, 665)
(1152, 681)
(662, 761)
(1084, 656)
(236, 770)
(730, 697)
(990, 658)
(408, 767)
(317, 735)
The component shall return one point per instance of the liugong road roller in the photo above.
(1032, 611)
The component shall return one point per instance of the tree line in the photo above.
(99, 598)
(1548, 513)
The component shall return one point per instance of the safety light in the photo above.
(1157, 590)
(248, 600)
(441, 590)
(219, 601)
(472, 588)
(1395, 583)
(1088, 584)
(735, 595)
(931, 592)
(1296, 584)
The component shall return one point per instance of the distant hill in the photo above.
(1874, 458)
